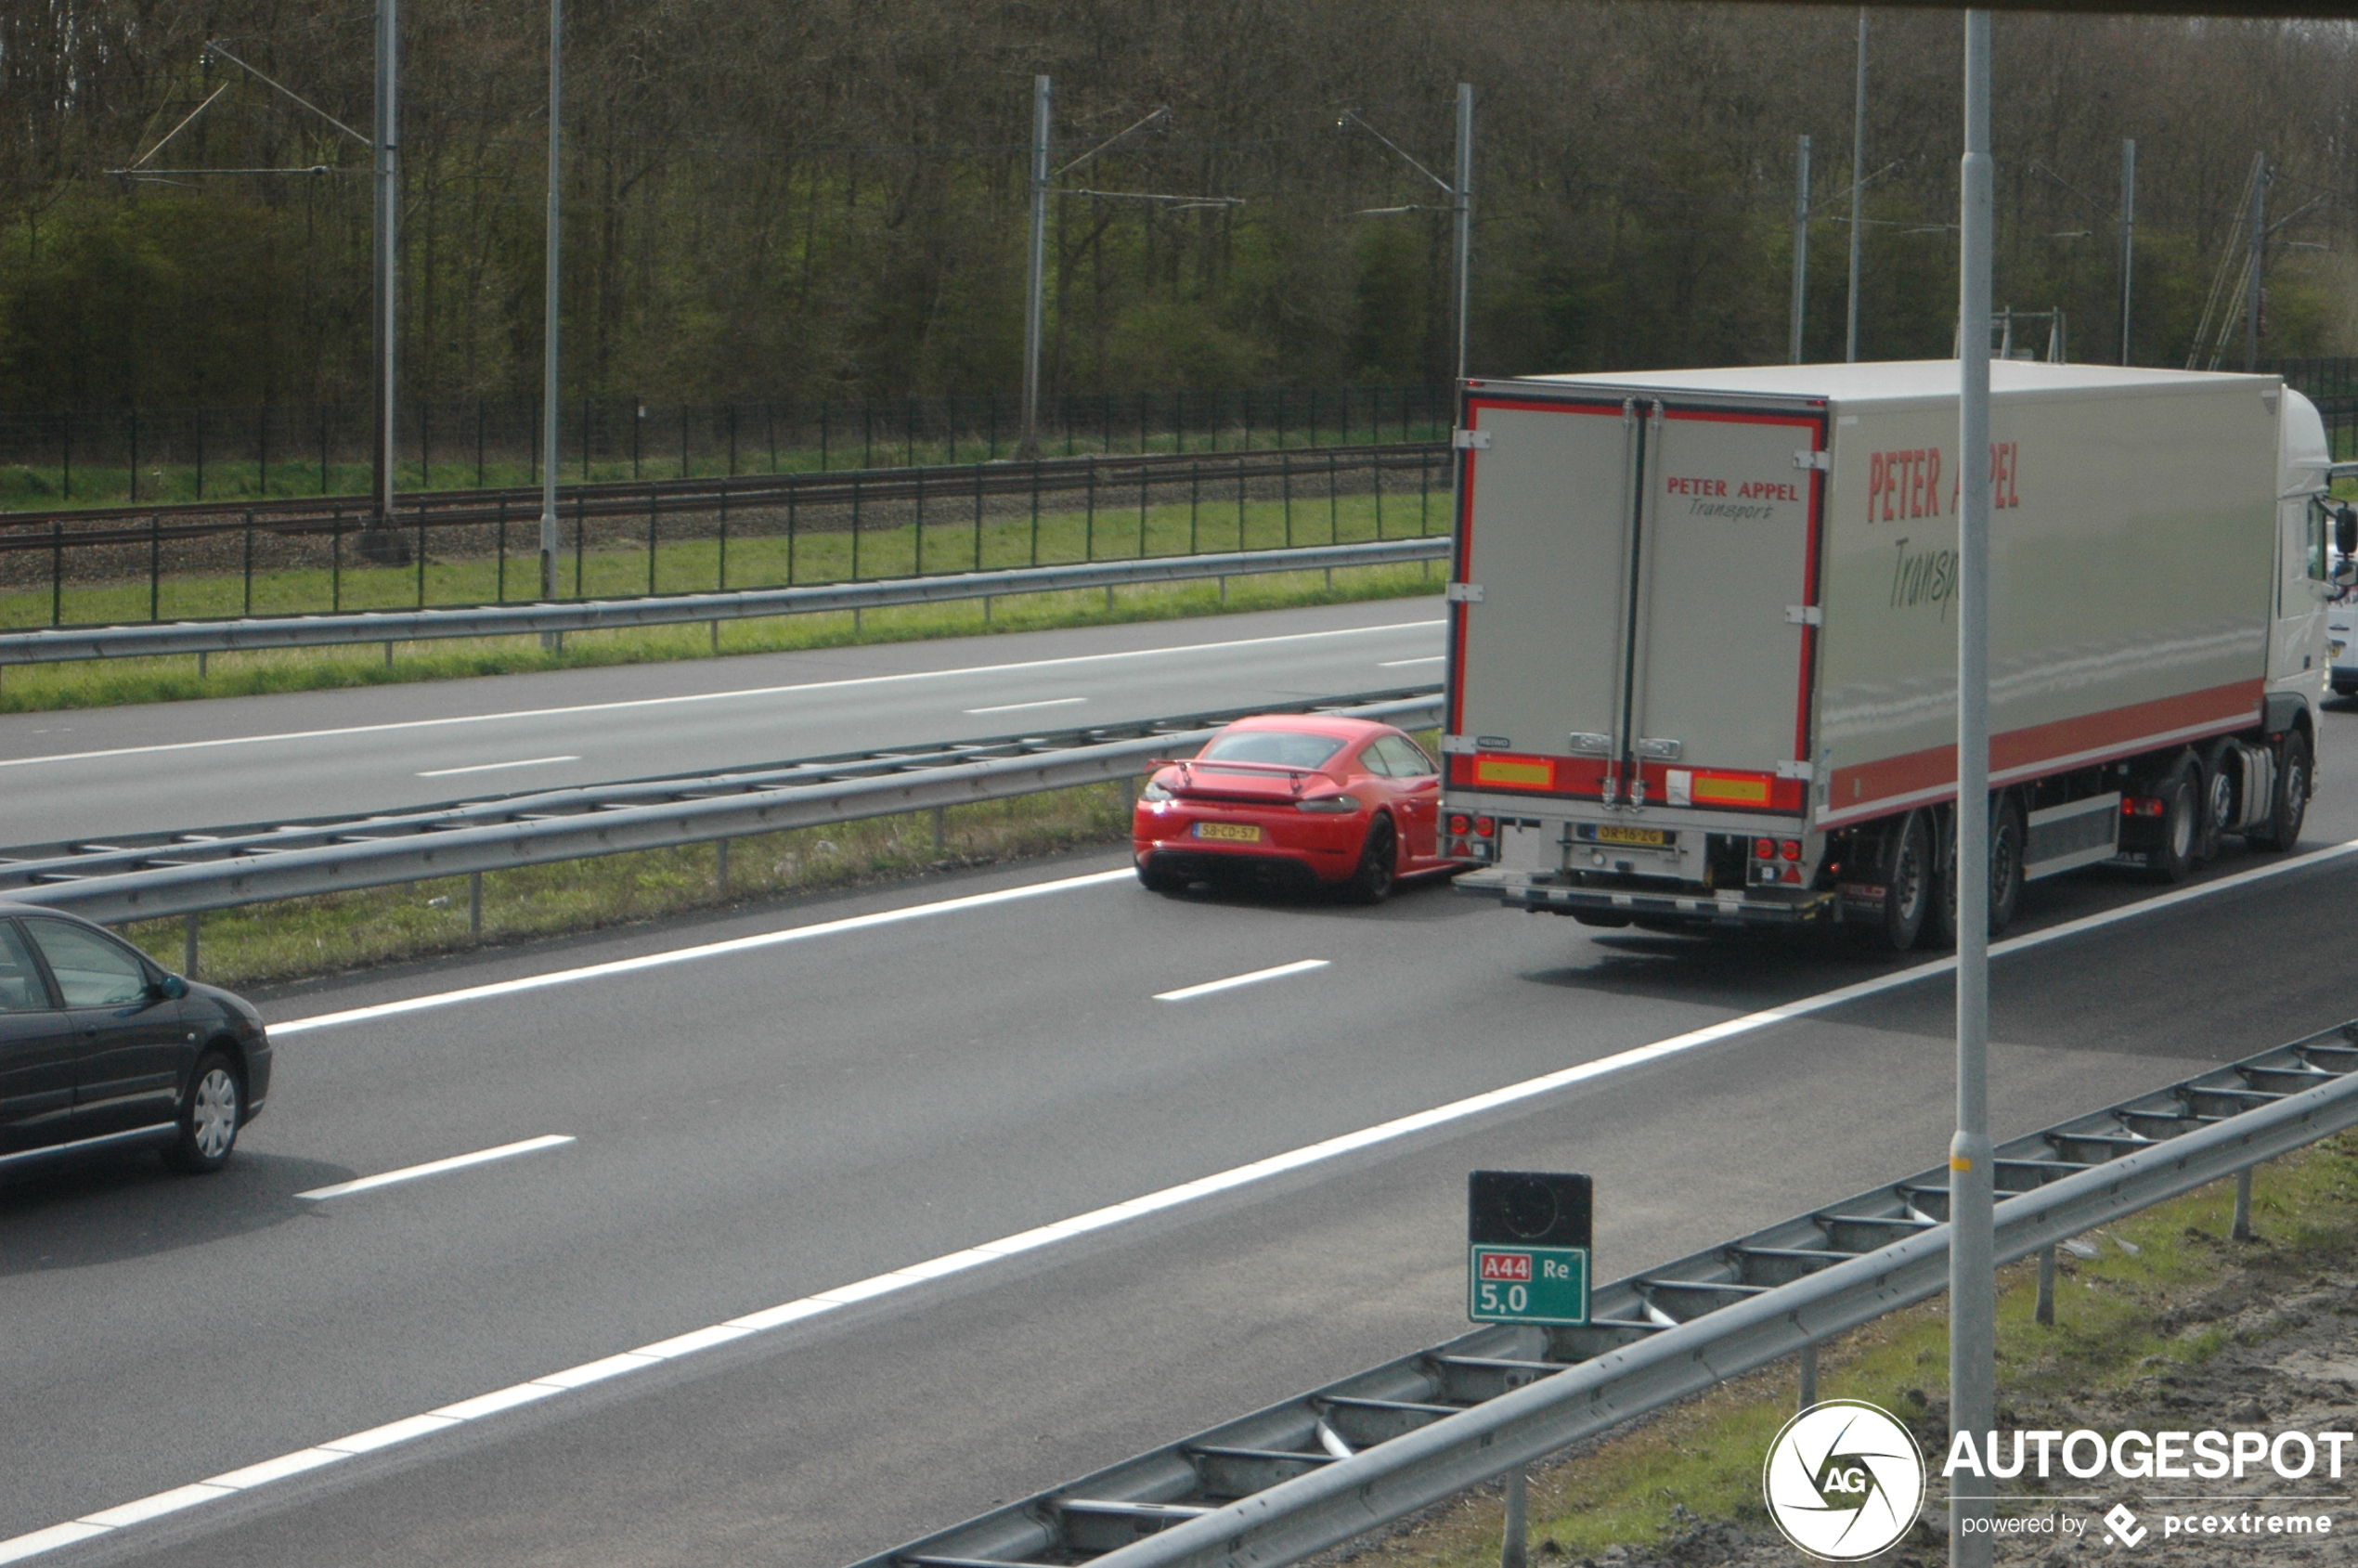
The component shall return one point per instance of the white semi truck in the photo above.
(1703, 636)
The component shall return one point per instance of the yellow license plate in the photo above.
(1644, 837)
(1233, 832)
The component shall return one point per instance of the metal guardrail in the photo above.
(57, 645)
(1320, 1469)
(189, 873)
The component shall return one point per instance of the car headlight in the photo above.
(1154, 791)
(1335, 803)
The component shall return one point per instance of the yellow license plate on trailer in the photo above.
(1643, 837)
(1233, 833)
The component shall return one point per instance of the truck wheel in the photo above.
(2173, 859)
(2290, 807)
(2221, 777)
(1908, 885)
(2009, 834)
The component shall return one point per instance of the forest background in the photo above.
(786, 200)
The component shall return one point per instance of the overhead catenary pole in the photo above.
(1800, 246)
(550, 246)
(1461, 199)
(1034, 296)
(386, 153)
(2127, 236)
(1858, 184)
(2257, 263)
(1973, 1301)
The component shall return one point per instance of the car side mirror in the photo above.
(171, 987)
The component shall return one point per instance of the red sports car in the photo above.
(1300, 800)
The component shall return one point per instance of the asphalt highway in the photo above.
(769, 1108)
(238, 760)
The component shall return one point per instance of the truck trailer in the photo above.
(1703, 636)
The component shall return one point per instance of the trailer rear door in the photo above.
(1622, 630)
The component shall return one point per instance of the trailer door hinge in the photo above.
(1819, 460)
(1476, 440)
(1463, 593)
(1805, 615)
(1456, 746)
(1802, 771)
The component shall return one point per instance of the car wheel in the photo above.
(1378, 863)
(209, 1117)
(2290, 807)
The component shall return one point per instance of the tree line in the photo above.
(788, 200)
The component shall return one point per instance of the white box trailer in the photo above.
(1703, 635)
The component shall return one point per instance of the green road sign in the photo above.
(1527, 1284)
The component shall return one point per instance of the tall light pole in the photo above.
(551, 247)
(1858, 182)
(1462, 199)
(1973, 1299)
(1800, 246)
(1033, 296)
(386, 153)
(2128, 236)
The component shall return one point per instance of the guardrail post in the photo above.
(2242, 1229)
(474, 903)
(1808, 1374)
(1514, 1544)
(2044, 1312)
(938, 826)
(189, 947)
(720, 865)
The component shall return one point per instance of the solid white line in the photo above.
(707, 949)
(1399, 664)
(1188, 993)
(494, 767)
(916, 1275)
(711, 696)
(436, 1167)
(1017, 708)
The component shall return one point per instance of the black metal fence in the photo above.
(160, 456)
(800, 528)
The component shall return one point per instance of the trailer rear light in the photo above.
(2141, 806)
(1460, 826)
(1764, 849)
(1790, 849)
(1486, 826)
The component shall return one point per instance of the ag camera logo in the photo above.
(1843, 1480)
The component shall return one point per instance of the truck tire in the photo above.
(2222, 779)
(2290, 807)
(2007, 834)
(2179, 791)
(1910, 885)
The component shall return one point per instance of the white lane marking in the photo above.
(1400, 664)
(494, 767)
(708, 950)
(1188, 993)
(436, 1167)
(711, 696)
(914, 1275)
(1017, 708)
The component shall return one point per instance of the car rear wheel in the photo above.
(1378, 863)
(208, 1117)
(1155, 880)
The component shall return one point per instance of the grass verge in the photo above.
(2134, 1330)
(114, 683)
(295, 937)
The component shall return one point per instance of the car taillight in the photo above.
(1459, 826)
(1790, 849)
(1328, 803)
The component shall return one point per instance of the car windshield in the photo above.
(1285, 746)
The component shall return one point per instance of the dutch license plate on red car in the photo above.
(1233, 833)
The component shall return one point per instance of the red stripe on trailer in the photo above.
(1928, 776)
